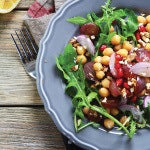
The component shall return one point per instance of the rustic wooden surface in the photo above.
(23, 122)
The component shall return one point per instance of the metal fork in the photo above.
(27, 50)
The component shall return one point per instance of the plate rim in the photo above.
(40, 79)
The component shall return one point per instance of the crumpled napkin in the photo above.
(39, 15)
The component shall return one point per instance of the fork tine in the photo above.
(20, 54)
(29, 36)
(27, 45)
(23, 48)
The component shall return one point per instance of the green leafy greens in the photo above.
(76, 84)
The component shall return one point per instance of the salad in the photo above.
(106, 68)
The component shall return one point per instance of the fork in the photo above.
(27, 50)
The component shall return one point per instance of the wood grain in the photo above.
(16, 87)
(28, 128)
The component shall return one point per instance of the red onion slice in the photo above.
(142, 55)
(86, 42)
(114, 89)
(140, 85)
(146, 101)
(112, 65)
(141, 69)
(137, 114)
(89, 72)
(123, 101)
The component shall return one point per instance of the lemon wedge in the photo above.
(8, 5)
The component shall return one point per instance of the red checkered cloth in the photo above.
(40, 8)
(39, 15)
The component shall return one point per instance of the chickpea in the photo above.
(109, 124)
(100, 74)
(147, 80)
(148, 19)
(141, 19)
(123, 120)
(138, 45)
(117, 47)
(148, 27)
(111, 29)
(123, 53)
(86, 110)
(105, 83)
(108, 51)
(98, 59)
(147, 47)
(81, 50)
(105, 60)
(114, 111)
(81, 58)
(116, 39)
(127, 45)
(97, 66)
(103, 92)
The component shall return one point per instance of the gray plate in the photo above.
(51, 86)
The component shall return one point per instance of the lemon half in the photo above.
(8, 5)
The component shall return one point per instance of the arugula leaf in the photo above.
(89, 17)
(104, 39)
(78, 20)
(94, 16)
(132, 128)
(147, 114)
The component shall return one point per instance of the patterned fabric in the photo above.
(40, 8)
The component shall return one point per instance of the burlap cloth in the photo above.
(39, 15)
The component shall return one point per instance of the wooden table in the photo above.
(23, 122)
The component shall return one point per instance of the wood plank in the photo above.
(28, 128)
(16, 87)
(24, 4)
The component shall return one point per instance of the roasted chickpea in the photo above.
(97, 66)
(105, 83)
(81, 58)
(109, 124)
(98, 59)
(123, 53)
(141, 19)
(86, 110)
(100, 74)
(105, 60)
(81, 50)
(117, 47)
(148, 19)
(115, 40)
(127, 45)
(111, 29)
(148, 27)
(103, 92)
(147, 80)
(123, 120)
(114, 111)
(147, 47)
(108, 51)
(138, 45)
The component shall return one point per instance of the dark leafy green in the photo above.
(78, 20)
